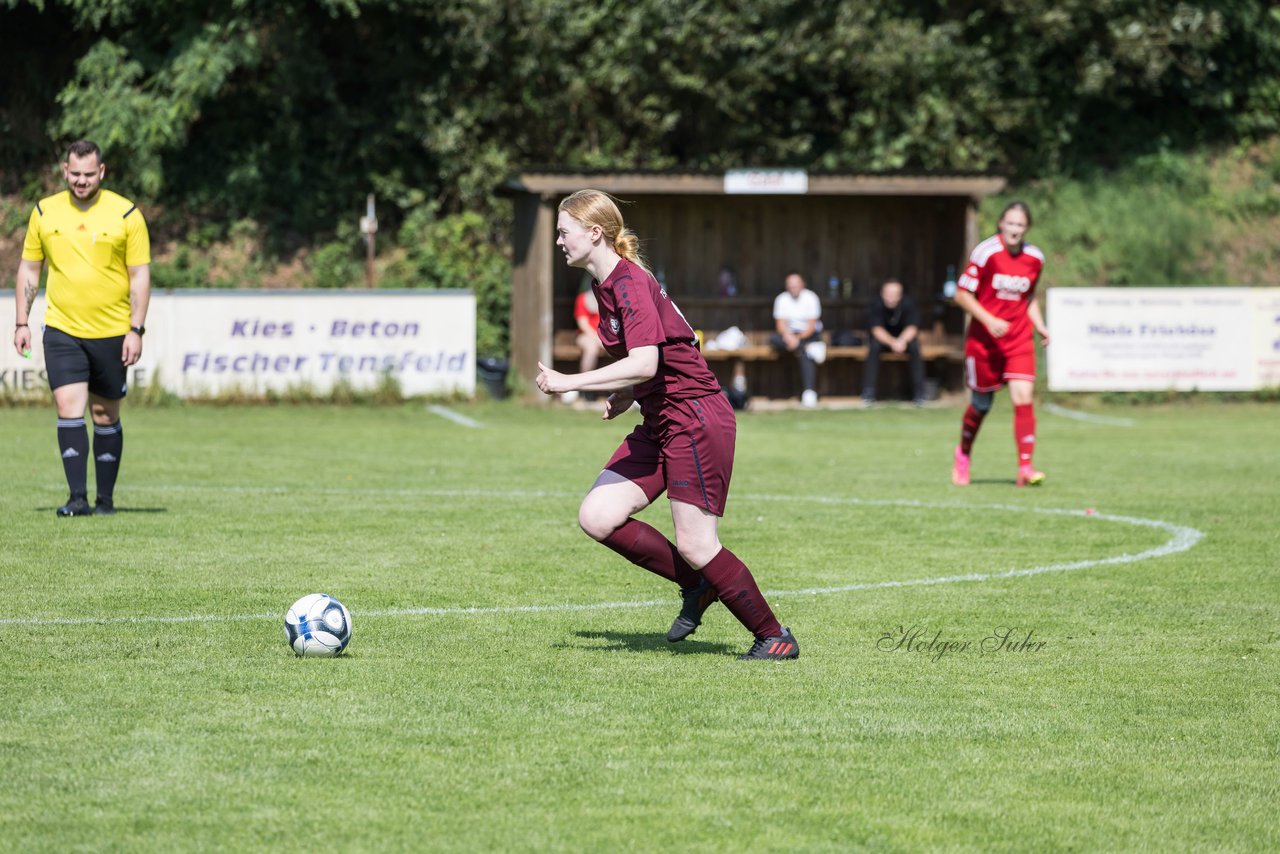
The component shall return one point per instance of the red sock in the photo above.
(1024, 432)
(738, 591)
(644, 545)
(969, 428)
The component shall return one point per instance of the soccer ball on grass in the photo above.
(317, 625)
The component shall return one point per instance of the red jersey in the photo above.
(1004, 285)
(636, 312)
(581, 311)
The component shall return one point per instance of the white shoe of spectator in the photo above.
(569, 397)
(816, 351)
(809, 398)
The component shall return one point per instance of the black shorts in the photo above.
(68, 360)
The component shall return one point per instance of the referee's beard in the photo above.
(90, 194)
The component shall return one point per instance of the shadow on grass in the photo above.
(118, 510)
(647, 642)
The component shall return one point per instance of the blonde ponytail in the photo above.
(596, 207)
(627, 245)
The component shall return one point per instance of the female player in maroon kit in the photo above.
(683, 447)
(998, 290)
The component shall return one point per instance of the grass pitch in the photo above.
(508, 686)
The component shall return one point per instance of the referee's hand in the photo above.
(22, 340)
(132, 349)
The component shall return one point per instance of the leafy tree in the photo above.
(457, 252)
(288, 113)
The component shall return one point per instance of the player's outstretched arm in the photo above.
(639, 365)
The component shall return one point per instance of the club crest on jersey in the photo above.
(613, 324)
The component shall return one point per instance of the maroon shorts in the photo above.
(685, 450)
(988, 367)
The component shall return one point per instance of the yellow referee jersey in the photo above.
(89, 254)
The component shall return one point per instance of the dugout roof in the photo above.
(862, 227)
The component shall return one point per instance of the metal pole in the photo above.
(370, 228)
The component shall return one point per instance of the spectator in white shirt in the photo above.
(797, 315)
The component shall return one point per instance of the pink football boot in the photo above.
(960, 469)
(1028, 476)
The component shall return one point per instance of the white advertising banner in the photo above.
(206, 342)
(1159, 339)
(1266, 336)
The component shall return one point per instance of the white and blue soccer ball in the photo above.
(317, 625)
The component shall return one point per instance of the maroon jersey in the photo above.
(636, 312)
(1004, 285)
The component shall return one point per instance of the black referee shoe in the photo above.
(77, 506)
(104, 506)
(696, 602)
(773, 649)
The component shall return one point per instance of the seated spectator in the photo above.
(728, 282)
(797, 314)
(586, 313)
(895, 326)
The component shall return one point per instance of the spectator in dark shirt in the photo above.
(895, 326)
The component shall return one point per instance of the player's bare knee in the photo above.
(698, 553)
(598, 522)
(589, 524)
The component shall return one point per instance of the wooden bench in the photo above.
(932, 346)
(765, 373)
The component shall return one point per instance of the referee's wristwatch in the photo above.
(140, 330)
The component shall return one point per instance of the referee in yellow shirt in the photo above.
(99, 255)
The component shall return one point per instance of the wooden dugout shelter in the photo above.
(860, 229)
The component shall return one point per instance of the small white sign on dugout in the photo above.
(766, 181)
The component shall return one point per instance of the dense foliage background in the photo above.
(252, 131)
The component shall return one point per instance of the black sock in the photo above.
(108, 445)
(73, 442)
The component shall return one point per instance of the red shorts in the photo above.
(686, 450)
(987, 367)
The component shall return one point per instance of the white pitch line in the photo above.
(1087, 417)
(1182, 539)
(455, 417)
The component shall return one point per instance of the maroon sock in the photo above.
(969, 429)
(738, 591)
(644, 545)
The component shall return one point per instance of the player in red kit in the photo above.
(684, 446)
(998, 290)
